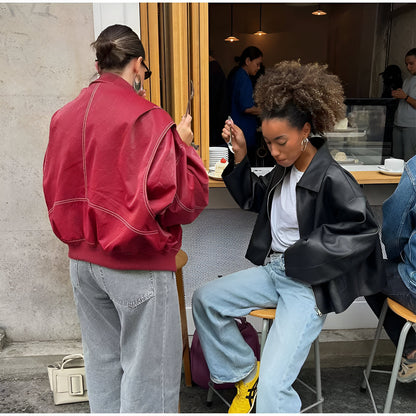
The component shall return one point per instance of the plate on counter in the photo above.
(215, 176)
(385, 171)
(347, 161)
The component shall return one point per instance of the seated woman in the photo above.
(399, 238)
(315, 226)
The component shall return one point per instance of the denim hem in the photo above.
(216, 381)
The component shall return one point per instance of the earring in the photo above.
(304, 143)
(137, 84)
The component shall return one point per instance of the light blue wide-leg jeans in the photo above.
(298, 322)
(131, 338)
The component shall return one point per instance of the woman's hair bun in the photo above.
(116, 46)
(104, 52)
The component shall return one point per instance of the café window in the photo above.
(178, 56)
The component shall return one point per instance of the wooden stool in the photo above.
(181, 260)
(410, 318)
(267, 315)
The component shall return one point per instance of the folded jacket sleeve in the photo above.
(177, 182)
(247, 189)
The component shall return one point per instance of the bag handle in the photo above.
(67, 359)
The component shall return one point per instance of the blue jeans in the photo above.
(131, 338)
(298, 322)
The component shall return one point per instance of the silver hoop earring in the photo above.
(137, 85)
(304, 143)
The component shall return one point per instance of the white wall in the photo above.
(106, 14)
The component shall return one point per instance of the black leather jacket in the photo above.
(339, 252)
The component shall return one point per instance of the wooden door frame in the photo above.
(185, 35)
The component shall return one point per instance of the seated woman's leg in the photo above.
(215, 306)
(298, 323)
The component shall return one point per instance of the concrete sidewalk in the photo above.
(24, 385)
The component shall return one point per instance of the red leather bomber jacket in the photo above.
(119, 181)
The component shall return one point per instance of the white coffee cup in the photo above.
(394, 165)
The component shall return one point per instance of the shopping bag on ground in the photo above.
(67, 380)
(199, 367)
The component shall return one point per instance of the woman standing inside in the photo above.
(119, 179)
(243, 110)
(315, 226)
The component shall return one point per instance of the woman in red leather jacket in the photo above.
(119, 180)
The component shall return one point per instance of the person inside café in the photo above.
(218, 102)
(404, 130)
(119, 179)
(399, 238)
(315, 243)
(243, 109)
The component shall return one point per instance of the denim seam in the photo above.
(284, 377)
(162, 374)
(131, 304)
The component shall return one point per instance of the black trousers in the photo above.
(396, 290)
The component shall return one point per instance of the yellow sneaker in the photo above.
(246, 395)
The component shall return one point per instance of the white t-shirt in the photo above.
(406, 114)
(283, 217)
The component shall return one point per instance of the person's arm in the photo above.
(339, 244)
(177, 182)
(255, 111)
(399, 217)
(400, 94)
(245, 102)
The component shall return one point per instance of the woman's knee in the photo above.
(202, 298)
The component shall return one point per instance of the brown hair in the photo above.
(116, 46)
(300, 94)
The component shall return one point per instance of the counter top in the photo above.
(364, 175)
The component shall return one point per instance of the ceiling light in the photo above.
(260, 32)
(319, 11)
(231, 38)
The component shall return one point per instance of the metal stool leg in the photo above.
(264, 332)
(210, 396)
(319, 398)
(367, 371)
(318, 384)
(396, 365)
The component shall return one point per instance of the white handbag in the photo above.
(67, 380)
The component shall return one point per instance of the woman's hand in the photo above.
(399, 93)
(184, 129)
(238, 141)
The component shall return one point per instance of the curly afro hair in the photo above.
(300, 94)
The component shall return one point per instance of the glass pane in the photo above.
(365, 136)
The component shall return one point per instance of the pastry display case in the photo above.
(364, 137)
